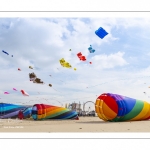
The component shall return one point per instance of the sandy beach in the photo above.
(84, 124)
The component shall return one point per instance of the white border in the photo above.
(75, 14)
(74, 5)
(74, 135)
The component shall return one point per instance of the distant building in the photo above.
(77, 107)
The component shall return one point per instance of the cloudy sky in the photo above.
(120, 64)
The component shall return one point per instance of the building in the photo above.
(78, 108)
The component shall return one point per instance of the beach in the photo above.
(84, 124)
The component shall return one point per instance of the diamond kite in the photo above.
(101, 33)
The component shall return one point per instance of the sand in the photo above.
(84, 124)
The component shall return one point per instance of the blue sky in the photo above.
(120, 63)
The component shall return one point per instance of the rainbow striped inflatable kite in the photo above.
(114, 107)
(10, 110)
(42, 112)
(37, 112)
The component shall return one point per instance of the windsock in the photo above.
(115, 108)
(43, 112)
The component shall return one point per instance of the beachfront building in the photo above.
(81, 112)
(76, 107)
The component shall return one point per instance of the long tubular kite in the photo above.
(10, 110)
(42, 112)
(37, 112)
(114, 107)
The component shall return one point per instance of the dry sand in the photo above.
(84, 124)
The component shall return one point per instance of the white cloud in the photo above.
(109, 61)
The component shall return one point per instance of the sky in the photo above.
(120, 64)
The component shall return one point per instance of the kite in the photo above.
(6, 53)
(19, 69)
(69, 49)
(26, 113)
(38, 80)
(6, 93)
(50, 85)
(81, 57)
(101, 33)
(30, 67)
(14, 89)
(67, 65)
(10, 110)
(115, 108)
(32, 76)
(37, 112)
(64, 63)
(91, 50)
(43, 112)
(75, 69)
(24, 93)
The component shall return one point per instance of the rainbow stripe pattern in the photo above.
(43, 111)
(10, 110)
(37, 112)
(114, 107)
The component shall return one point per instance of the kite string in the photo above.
(116, 80)
(56, 79)
(65, 73)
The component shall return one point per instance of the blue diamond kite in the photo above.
(101, 33)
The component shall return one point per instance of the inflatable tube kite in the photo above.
(10, 110)
(114, 107)
(42, 112)
(37, 112)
